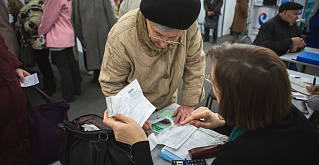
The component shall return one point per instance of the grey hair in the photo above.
(162, 27)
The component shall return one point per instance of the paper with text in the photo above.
(174, 136)
(30, 80)
(130, 102)
(201, 137)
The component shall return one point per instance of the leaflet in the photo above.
(130, 102)
(30, 80)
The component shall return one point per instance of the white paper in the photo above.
(201, 137)
(30, 80)
(174, 136)
(299, 96)
(298, 84)
(152, 141)
(90, 127)
(131, 102)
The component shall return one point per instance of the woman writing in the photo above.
(254, 94)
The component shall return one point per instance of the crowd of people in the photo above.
(131, 40)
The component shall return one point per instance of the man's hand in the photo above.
(147, 126)
(209, 13)
(18, 25)
(212, 12)
(298, 42)
(21, 74)
(294, 49)
(182, 113)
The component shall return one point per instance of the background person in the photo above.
(31, 15)
(159, 50)
(7, 32)
(14, 7)
(116, 8)
(93, 20)
(239, 24)
(128, 5)
(313, 26)
(56, 26)
(257, 114)
(280, 33)
(212, 8)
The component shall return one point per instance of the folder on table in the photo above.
(308, 57)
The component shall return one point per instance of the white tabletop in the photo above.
(291, 57)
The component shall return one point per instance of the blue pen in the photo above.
(314, 81)
(185, 161)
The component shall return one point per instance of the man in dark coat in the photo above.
(14, 137)
(281, 34)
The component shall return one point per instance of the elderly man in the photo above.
(159, 45)
(281, 34)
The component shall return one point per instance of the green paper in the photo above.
(159, 127)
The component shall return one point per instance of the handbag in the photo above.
(44, 133)
(210, 22)
(99, 147)
(26, 55)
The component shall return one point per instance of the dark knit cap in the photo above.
(178, 14)
(290, 6)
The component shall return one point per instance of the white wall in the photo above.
(227, 16)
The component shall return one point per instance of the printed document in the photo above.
(130, 102)
(174, 136)
(30, 80)
(201, 137)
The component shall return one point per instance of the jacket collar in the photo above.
(282, 21)
(144, 40)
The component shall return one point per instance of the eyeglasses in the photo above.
(168, 42)
(208, 78)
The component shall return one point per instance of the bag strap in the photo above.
(47, 98)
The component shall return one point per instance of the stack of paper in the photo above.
(200, 137)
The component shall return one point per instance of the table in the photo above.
(303, 75)
(291, 57)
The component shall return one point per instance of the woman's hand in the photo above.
(126, 130)
(203, 117)
(313, 90)
(21, 74)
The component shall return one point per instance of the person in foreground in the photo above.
(160, 51)
(254, 94)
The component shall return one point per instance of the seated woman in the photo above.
(254, 95)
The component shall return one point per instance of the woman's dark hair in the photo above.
(15, 6)
(252, 83)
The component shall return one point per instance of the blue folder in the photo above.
(308, 57)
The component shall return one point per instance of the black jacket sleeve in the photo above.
(141, 153)
(225, 130)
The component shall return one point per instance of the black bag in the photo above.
(79, 147)
(210, 21)
(26, 56)
(44, 133)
